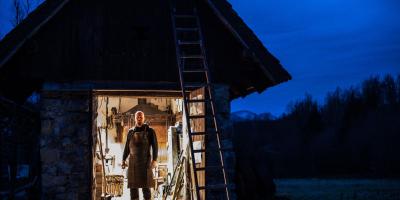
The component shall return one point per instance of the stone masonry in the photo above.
(65, 146)
(223, 109)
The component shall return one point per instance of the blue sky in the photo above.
(6, 11)
(322, 43)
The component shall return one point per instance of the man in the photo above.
(138, 143)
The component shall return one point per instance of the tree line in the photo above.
(354, 133)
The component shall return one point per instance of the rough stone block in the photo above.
(222, 102)
(52, 182)
(227, 143)
(64, 168)
(43, 142)
(66, 142)
(60, 189)
(47, 127)
(49, 170)
(66, 195)
(83, 135)
(77, 106)
(49, 155)
(67, 129)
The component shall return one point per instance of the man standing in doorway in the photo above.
(138, 143)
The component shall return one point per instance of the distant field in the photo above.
(338, 189)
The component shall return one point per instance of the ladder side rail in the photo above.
(210, 93)
(180, 69)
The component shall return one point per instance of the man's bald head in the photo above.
(139, 118)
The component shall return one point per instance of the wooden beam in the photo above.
(137, 89)
(109, 86)
(140, 93)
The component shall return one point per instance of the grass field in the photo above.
(338, 189)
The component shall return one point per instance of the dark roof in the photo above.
(273, 72)
(270, 65)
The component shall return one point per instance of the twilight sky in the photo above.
(322, 43)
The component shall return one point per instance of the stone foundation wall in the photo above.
(223, 109)
(65, 145)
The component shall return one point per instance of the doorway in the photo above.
(113, 116)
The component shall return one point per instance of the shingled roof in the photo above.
(268, 64)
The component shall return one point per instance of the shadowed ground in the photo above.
(339, 189)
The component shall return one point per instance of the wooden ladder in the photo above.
(195, 74)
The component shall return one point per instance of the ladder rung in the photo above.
(197, 116)
(211, 150)
(209, 116)
(199, 151)
(213, 187)
(198, 100)
(198, 133)
(185, 16)
(196, 42)
(192, 56)
(191, 21)
(194, 70)
(203, 133)
(186, 29)
(209, 168)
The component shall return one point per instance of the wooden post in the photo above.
(103, 191)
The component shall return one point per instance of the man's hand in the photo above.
(153, 164)
(123, 165)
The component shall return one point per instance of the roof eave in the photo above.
(256, 56)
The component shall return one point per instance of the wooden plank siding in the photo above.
(88, 40)
(129, 41)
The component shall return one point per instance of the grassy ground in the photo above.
(338, 189)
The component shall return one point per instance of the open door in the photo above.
(113, 116)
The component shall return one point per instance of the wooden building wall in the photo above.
(102, 40)
(126, 41)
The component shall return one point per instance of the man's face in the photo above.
(139, 118)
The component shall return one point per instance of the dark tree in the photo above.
(398, 88)
(355, 133)
(371, 92)
(21, 9)
(389, 90)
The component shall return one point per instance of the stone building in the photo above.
(71, 53)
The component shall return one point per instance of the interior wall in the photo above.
(129, 102)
